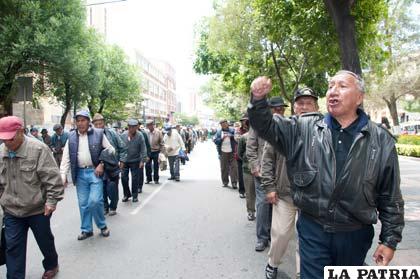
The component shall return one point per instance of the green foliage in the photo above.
(186, 120)
(409, 139)
(408, 150)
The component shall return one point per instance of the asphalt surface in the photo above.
(191, 229)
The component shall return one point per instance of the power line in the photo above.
(107, 2)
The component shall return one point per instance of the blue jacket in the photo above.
(95, 147)
(63, 138)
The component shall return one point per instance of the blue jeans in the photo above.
(16, 235)
(174, 166)
(135, 175)
(154, 157)
(111, 193)
(318, 248)
(91, 200)
(264, 213)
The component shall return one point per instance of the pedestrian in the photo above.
(35, 133)
(226, 146)
(81, 156)
(30, 188)
(110, 183)
(45, 137)
(155, 138)
(239, 132)
(148, 152)
(254, 151)
(344, 175)
(181, 132)
(248, 180)
(173, 145)
(276, 186)
(58, 141)
(136, 157)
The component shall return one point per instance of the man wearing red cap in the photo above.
(30, 187)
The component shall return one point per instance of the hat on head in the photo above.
(9, 125)
(97, 116)
(44, 131)
(276, 101)
(222, 121)
(305, 91)
(83, 113)
(244, 117)
(57, 126)
(133, 122)
(33, 129)
(150, 121)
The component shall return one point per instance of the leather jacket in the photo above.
(368, 187)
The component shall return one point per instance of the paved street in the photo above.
(191, 229)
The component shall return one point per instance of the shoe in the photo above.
(260, 246)
(251, 216)
(48, 274)
(171, 178)
(157, 182)
(125, 199)
(106, 211)
(84, 235)
(105, 232)
(112, 212)
(270, 272)
(242, 195)
(148, 182)
(234, 186)
(177, 179)
(135, 200)
(224, 185)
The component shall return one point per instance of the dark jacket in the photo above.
(116, 141)
(218, 139)
(111, 164)
(369, 183)
(242, 153)
(136, 148)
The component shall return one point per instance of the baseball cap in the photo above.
(133, 122)
(305, 91)
(57, 126)
(83, 113)
(223, 121)
(149, 121)
(9, 125)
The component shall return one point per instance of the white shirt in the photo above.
(226, 146)
(83, 154)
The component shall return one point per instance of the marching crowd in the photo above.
(330, 177)
(34, 171)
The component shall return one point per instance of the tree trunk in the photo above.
(9, 78)
(340, 12)
(391, 103)
(67, 103)
(278, 72)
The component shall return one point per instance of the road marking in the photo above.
(149, 198)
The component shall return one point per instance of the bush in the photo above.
(409, 139)
(408, 150)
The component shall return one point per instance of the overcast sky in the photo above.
(161, 29)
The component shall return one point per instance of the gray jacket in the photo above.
(274, 173)
(30, 180)
(254, 150)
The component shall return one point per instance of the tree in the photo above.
(35, 35)
(186, 120)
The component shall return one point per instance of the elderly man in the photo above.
(343, 171)
(136, 157)
(276, 185)
(111, 183)
(226, 147)
(58, 141)
(173, 144)
(155, 139)
(81, 156)
(30, 187)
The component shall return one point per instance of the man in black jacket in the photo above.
(343, 171)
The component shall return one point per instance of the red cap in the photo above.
(9, 125)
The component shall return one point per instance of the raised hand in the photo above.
(260, 87)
